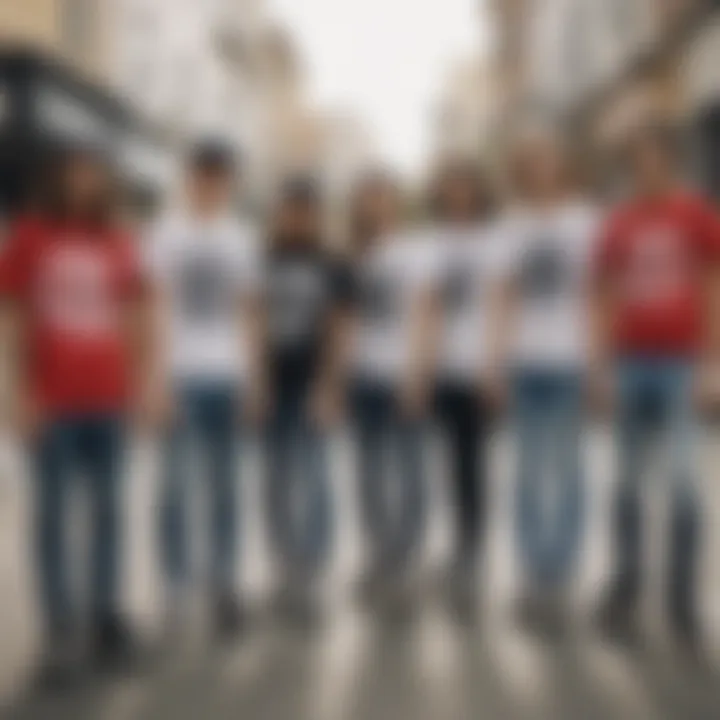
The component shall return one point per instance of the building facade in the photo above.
(466, 111)
(78, 32)
(606, 65)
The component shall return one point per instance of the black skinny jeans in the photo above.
(464, 419)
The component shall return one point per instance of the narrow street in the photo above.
(357, 666)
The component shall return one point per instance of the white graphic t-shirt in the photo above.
(549, 258)
(390, 279)
(204, 268)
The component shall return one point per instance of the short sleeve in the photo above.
(16, 262)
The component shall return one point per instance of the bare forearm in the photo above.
(12, 331)
(425, 337)
(254, 330)
(711, 349)
(503, 315)
(600, 317)
(335, 356)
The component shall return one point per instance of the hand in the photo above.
(414, 398)
(26, 419)
(706, 387)
(494, 388)
(257, 404)
(601, 391)
(156, 407)
(325, 405)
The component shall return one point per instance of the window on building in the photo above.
(78, 26)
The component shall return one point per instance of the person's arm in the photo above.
(502, 321)
(501, 312)
(709, 236)
(253, 319)
(138, 326)
(424, 339)
(708, 376)
(23, 412)
(328, 395)
(602, 312)
(151, 332)
(253, 330)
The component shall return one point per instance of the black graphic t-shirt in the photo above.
(304, 286)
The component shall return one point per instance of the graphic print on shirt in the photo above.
(544, 272)
(297, 294)
(459, 288)
(206, 289)
(75, 291)
(657, 266)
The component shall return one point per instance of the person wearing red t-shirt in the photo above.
(657, 269)
(70, 277)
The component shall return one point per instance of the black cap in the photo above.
(212, 155)
(300, 190)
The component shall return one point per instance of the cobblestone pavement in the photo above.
(356, 666)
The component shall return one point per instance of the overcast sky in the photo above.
(383, 59)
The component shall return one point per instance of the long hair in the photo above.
(53, 198)
(465, 170)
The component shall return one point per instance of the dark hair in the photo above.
(52, 196)
(664, 136)
(302, 192)
(563, 145)
(461, 170)
(212, 156)
(361, 228)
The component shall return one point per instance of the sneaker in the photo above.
(59, 667)
(687, 631)
(176, 624)
(617, 615)
(462, 589)
(300, 602)
(114, 647)
(229, 616)
(526, 609)
(370, 584)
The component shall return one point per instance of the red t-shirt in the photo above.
(72, 284)
(655, 255)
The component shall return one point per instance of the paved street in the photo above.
(358, 667)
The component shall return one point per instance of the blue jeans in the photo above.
(656, 395)
(207, 421)
(299, 499)
(92, 446)
(550, 499)
(393, 497)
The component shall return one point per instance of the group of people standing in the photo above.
(542, 309)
